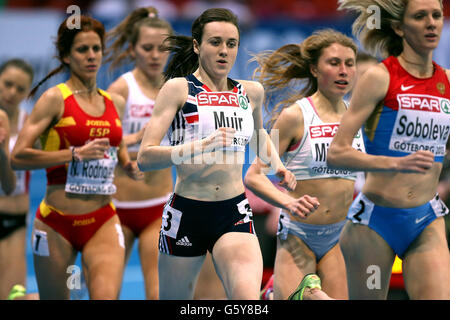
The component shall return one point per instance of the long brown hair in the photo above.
(128, 32)
(382, 40)
(289, 67)
(65, 39)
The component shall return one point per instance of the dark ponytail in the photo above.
(48, 76)
(184, 60)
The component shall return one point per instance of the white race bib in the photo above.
(94, 176)
(226, 109)
(245, 209)
(320, 137)
(40, 243)
(171, 219)
(138, 117)
(422, 123)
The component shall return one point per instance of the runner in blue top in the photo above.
(404, 105)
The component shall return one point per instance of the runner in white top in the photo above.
(16, 77)
(139, 37)
(306, 124)
(307, 158)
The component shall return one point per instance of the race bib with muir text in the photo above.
(320, 138)
(226, 109)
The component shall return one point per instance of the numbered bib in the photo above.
(439, 207)
(283, 225)
(361, 210)
(40, 243)
(94, 176)
(245, 209)
(171, 221)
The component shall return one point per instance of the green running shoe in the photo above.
(17, 291)
(311, 281)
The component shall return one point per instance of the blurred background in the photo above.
(28, 29)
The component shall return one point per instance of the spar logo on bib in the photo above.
(323, 131)
(217, 99)
(243, 102)
(445, 106)
(419, 103)
(141, 110)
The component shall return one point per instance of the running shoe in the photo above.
(311, 281)
(267, 290)
(17, 291)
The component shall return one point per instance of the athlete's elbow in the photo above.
(145, 165)
(251, 179)
(16, 163)
(248, 181)
(333, 156)
(251, 185)
(146, 159)
(142, 161)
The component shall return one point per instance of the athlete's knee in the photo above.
(244, 291)
(103, 291)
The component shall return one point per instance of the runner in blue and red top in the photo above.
(403, 105)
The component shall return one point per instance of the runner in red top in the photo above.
(80, 133)
(415, 114)
(403, 104)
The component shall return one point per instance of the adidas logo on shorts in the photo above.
(184, 242)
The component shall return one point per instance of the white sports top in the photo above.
(21, 175)
(205, 111)
(308, 158)
(138, 110)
